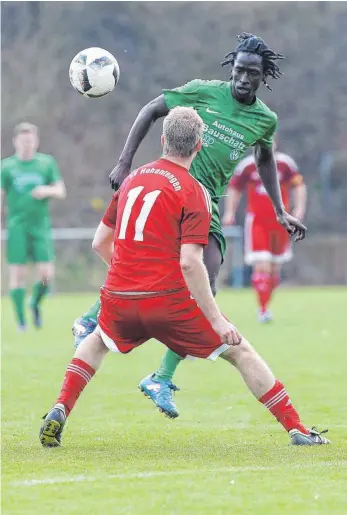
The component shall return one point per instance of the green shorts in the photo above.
(216, 229)
(32, 244)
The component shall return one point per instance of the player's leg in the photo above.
(159, 386)
(45, 272)
(43, 257)
(258, 255)
(17, 256)
(86, 361)
(18, 275)
(270, 392)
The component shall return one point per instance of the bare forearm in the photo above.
(267, 170)
(232, 203)
(299, 201)
(145, 119)
(56, 191)
(198, 284)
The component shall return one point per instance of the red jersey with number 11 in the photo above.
(159, 207)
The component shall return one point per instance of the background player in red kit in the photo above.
(152, 236)
(267, 244)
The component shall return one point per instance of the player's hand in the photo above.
(227, 332)
(118, 174)
(293, 226)
(40, 192)
(228, 219)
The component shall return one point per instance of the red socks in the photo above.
(277, 401)
(262, 283)
(77, 375)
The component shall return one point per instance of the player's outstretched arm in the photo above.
(157, 108)
(267, 170)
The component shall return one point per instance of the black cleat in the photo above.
(52, 427)
(313, 438)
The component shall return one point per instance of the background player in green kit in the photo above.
(234, 120)
(28, 180)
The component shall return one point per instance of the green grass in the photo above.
(224, 454)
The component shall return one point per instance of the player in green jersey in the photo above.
(28, 180)
(234, 120)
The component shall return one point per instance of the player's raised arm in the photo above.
(155, 109)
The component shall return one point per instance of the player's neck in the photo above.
(25, 156)
(185, 162)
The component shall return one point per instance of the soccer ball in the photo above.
(94, 72)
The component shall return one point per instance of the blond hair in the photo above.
(182, 130)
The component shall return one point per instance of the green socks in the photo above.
(18, 296)
(167, 367)
(40, 289)
(93, 311)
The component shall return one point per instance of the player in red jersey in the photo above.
(267, 244)
(152, 237)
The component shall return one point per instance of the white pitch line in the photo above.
(143, 475)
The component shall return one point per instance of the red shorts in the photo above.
(175, 320)
(266, 241)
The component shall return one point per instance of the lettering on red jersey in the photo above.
(258, 202)
(159, 207)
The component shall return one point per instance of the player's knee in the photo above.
(17, 276)
(262, 267)
(236, 352)
(46, 272)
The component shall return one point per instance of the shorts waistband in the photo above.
(141, 294)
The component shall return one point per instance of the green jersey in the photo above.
(19, 178)
(230, 128)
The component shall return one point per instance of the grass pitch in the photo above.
(224, 454)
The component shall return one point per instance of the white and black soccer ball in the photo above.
(94, 72)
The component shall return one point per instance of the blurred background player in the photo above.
(152, 237)
(29, 180)
(234, 120)
(267, 243)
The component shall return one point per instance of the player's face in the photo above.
(26, 143)
(247, 75)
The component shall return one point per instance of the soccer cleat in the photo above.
(21, 328)
(52, 427)
(161, 394)
(264, 317)
(81, 328)
(313, 438)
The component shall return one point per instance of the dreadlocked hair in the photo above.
(255, 45)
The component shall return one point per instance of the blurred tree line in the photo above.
(164, 44)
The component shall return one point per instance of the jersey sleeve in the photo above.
(110, 216)
(4, 177)
(55, 175)
(268, 138)
(186, 95)
(293, 176)
(196, 219)
(240, 177)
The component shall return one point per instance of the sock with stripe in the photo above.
(262, 284)
(77, 375)
(277, 401)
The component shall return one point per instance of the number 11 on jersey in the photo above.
(148, 202)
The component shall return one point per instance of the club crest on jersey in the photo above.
(234, 155)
